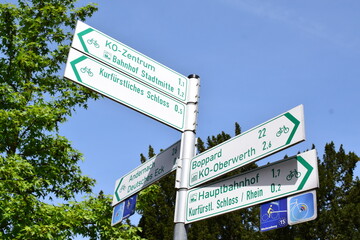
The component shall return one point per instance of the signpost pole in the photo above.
(186, 154)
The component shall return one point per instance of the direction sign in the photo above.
(147, 173)
(129, 61)
(273, 181)
(270, 137)
(125, 90)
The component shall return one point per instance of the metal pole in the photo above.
(187, 153)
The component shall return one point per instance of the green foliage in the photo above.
(37, 220)
(237, 129)
(36, 163)
(338, 200)
(90, 218)
(338, 196)
(156, 204)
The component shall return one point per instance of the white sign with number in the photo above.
(125, 59)
(147, 173)
(277, 180)
(123, 89)
(270, 137)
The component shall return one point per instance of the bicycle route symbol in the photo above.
(298, 210)
(293, 173)
(93, 42)
(123, 188)
(272, 214)
(282, 130)
(87, 70)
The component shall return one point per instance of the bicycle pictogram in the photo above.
(298, 211)
(123, 188)
(283, 129)
(293, 173)
(94, 42)
(87, 70)
(271, 214)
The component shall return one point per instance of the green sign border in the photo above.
(83, 44)
(298, 190)
(82, 58)
(273, 151)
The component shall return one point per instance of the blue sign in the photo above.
(129, 206)
(118, 213)
(273, 215)
(302, 208)
(123, 210)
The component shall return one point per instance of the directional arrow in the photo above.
(117, 196)
(270, 137)
(270, 182)
(309, 169)
(73, 66)
(81, 38)
(296, 125)
(129, 61)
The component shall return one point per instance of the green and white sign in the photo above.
(283, 178)
(125, 90)
(125, 59)
(147, 173)
(270, 137)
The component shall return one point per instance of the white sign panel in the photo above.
(147, 173)
(129, 61)
(283, 178)
(125, 90)
(270, 137)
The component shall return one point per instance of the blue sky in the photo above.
(256, 59)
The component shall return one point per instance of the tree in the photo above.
(38, 165)
(156, 204)
(338, 198)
